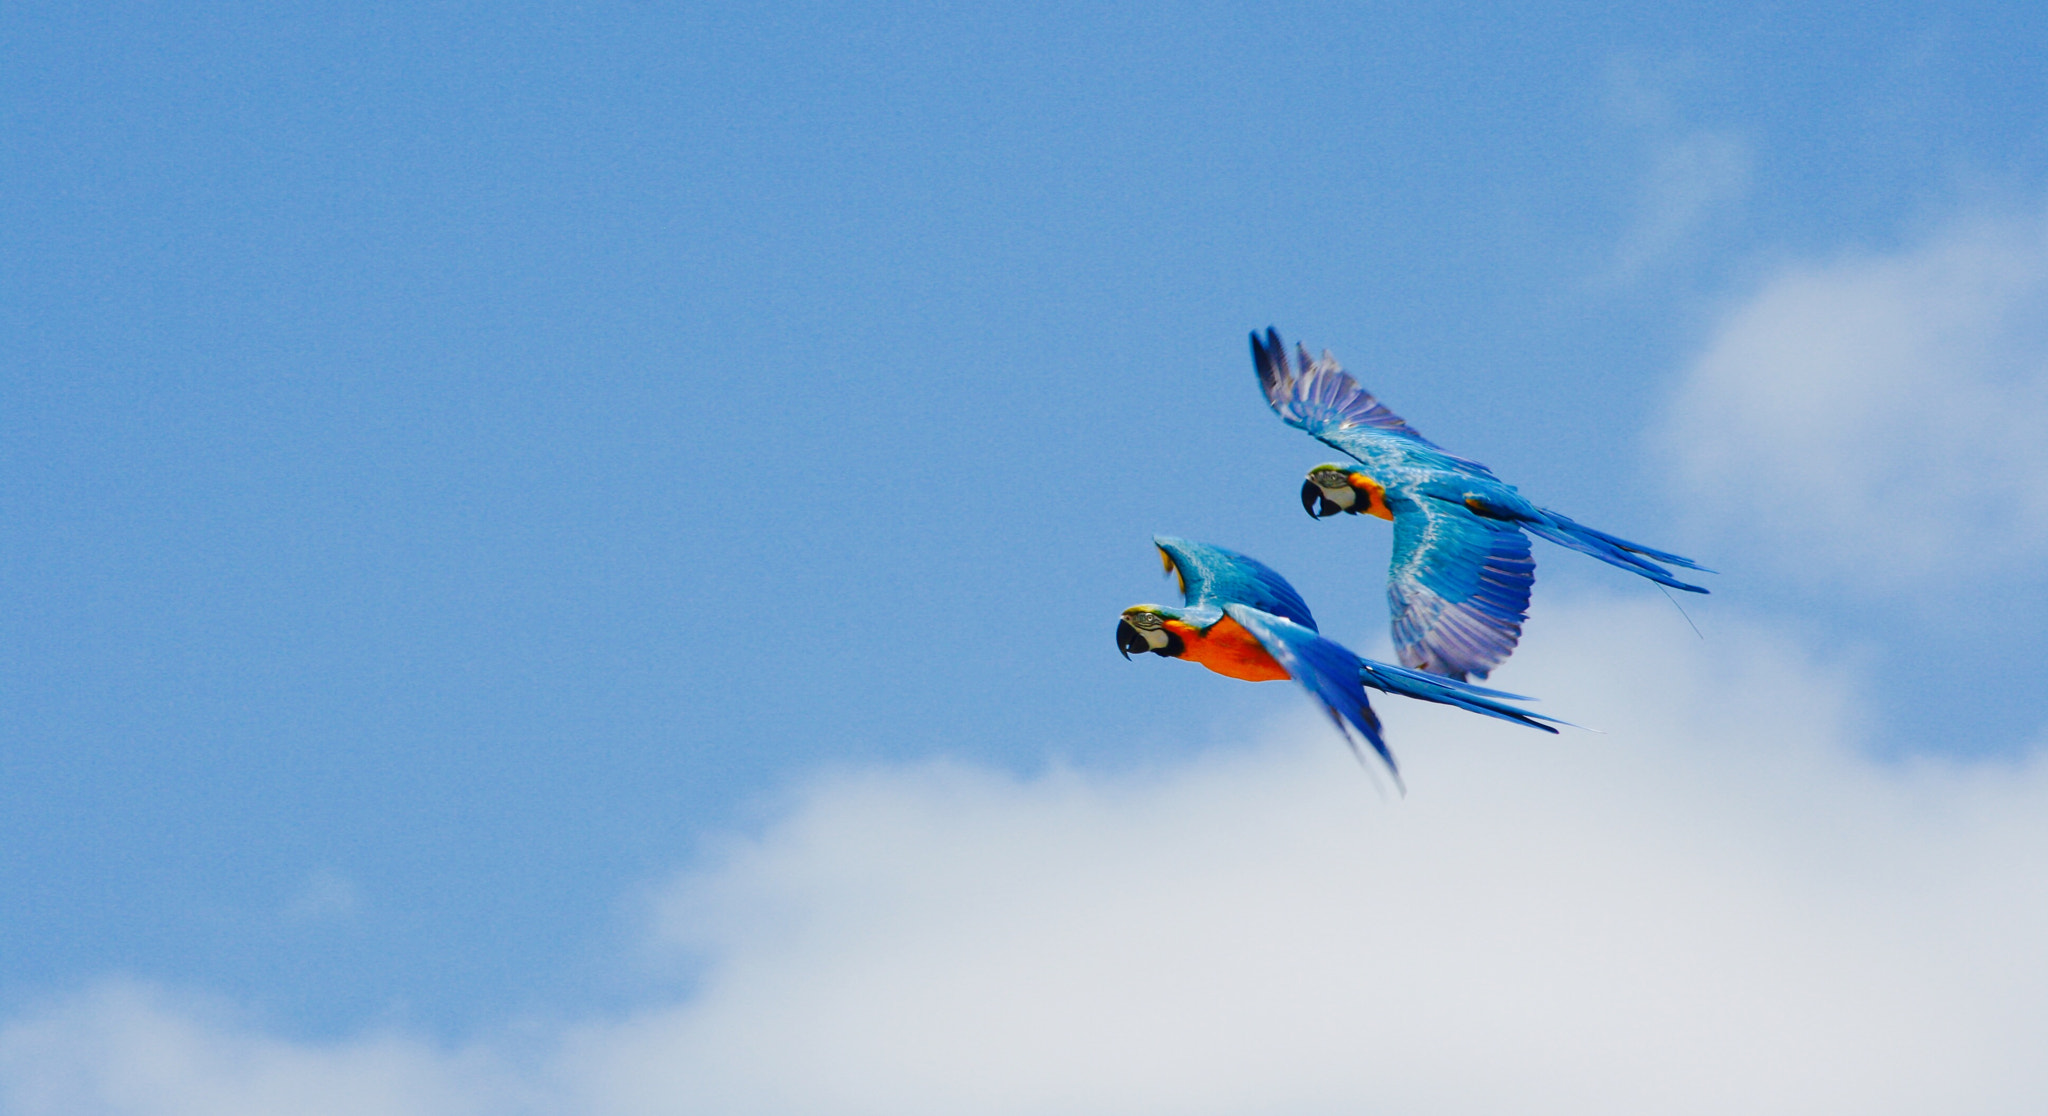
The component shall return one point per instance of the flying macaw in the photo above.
(1458, 589)
(1242, 620)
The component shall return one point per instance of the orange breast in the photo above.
(1375, 496)
(1229, 650)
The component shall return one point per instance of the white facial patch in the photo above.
(1149, 625)
(1336, 488)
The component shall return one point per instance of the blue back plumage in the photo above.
(1211, 577)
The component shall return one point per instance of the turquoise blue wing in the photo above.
(1322, 400)
(1326, 670)
(1211, 576)
(1458, 589)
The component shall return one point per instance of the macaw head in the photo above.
(1143, 628)
(1330, 489)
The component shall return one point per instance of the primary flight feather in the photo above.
(1458, 586)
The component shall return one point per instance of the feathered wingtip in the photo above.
(1317, 395)
(1270, 359)
(1327, 671)
(1379, 746)
(1269, 356)
(1306, 365)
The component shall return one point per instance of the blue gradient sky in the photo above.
(457, 461)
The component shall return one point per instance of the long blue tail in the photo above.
(1449, 691)
(1634, 557)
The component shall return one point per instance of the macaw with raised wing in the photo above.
(1458, 589)
(1242, 620)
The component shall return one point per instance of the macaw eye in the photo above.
(1144, 620)
(1328, 478)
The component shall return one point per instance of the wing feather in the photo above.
(1328, 671)
(1458, 589)
(1320, 398)
(1211, 576)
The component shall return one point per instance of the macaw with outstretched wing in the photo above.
(1458, 589)
(1240, 619)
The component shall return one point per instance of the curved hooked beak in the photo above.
(1315, 503)
(1129, 640)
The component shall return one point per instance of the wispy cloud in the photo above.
(1689, 177)
(1690, 180)
(128, 1048)
(325, 896)
(1881, 417)
(1718, 905)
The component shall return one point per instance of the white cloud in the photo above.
(325, 896)
(1690, 176)
(1717, 906)
(126, 1049)
(1690, 179)
(1881, 418)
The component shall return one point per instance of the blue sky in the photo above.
(461, 467)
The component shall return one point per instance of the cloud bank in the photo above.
(1718, 905)
(1880, 418)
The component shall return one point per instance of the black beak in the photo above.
(1129, 641)
(1315, 503)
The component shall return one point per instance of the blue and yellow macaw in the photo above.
(1240, 619)
(1459, 585)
